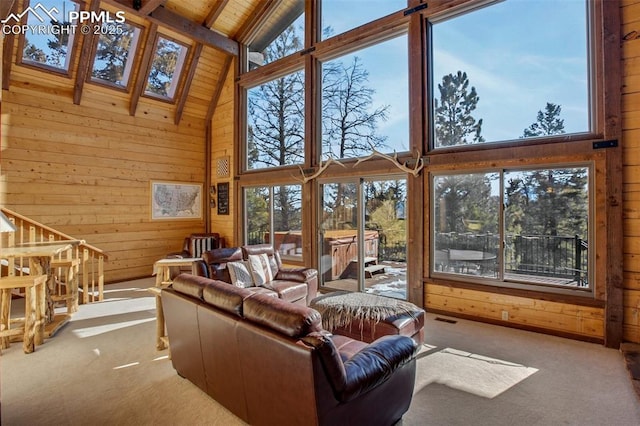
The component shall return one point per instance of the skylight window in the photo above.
(164, 74)
(114, 54)
(48, 41)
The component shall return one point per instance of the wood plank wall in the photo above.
(630, 34)
(86, 169)
(222, 149)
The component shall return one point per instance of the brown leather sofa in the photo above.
(296, 285)
(270, 362)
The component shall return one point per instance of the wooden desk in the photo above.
(40, 256)
(162, 271)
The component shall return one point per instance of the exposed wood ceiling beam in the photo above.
(5, 8)
(216, 10)
(85, 57)
(260, 13)
(197, 32)
(216, 95)
(186, 85)
(7, 43)
(144, 8)
(150, 5)
(144, 69)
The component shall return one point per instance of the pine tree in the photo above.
(454, 124)
(547, 123)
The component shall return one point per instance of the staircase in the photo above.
(89, 259)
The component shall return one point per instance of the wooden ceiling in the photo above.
(213, 28)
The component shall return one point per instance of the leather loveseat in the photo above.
(296, 285)
(270, 362)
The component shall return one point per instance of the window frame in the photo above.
(132, 65)
(595, 99)
(181, 65)
(551, 151)
(295, 259)
(71, 53)
(603, 18)
(501, 280)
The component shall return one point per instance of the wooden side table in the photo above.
(162, 271)
(31, 330)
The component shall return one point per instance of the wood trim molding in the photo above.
(7, 45)
(611, 77)
(260, 13)
(186, 85)
(214, 13)
(84, 62)
(216, 95)
(144, 69)
(197, 32)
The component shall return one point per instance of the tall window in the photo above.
(365, 101)
(279, 35)
(339, 16)
(49, 40)
(114, 53)
(494, 75)
(273, 214)
(275, 122)
(166, 67)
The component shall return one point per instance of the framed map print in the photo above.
(175, 200)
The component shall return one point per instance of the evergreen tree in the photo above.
(454, 124)
(163, 67)
(112, 53)
(547, 123)
(550, 201)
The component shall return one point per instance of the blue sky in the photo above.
(518, 54)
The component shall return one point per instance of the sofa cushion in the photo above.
(190, 285)
(225, 297)
(290, 291)
(260, 269)
(201, 243)
(284, 317)
(240, 274)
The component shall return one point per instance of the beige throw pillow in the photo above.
(260, 269)
(239, 273)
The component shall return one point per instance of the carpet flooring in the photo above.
(102, 368)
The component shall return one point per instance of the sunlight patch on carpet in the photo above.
(106, 328)
(473, 373)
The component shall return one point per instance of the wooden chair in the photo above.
(32, 327)
(66, 272)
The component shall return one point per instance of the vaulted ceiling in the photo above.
(212, 28)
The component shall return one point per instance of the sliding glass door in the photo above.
(362, 236)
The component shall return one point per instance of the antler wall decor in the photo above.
(415, 171)
(321, 169)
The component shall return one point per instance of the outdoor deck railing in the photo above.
(540, 255)
(91, 259)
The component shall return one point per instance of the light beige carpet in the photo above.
(103, 369)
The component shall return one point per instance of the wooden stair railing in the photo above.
(90, 273)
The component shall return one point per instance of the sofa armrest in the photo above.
(301, 275)
(374, 364)
(199, 268)
(368, 368)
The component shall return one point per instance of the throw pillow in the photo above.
(240, 275)
(260, 269)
